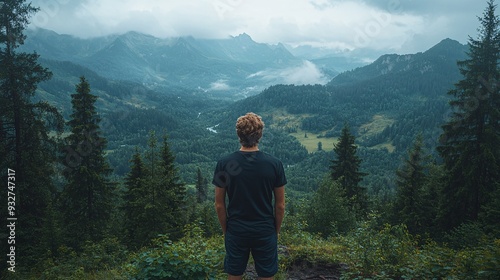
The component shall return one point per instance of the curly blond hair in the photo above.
(249, 129)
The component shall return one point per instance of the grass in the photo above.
(311, 141)
(390, 148)
(374, 127)
(377, 125)
(282, 119)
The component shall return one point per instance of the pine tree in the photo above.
(87, 197)
(133, 207)
(164, 194)
(174, 191)
(201, 187)
(410, 181)
(345, 170)
(25, 144)
(153, 215)
(491, 214)
(431, 198)
(328, 212)
(469, 143)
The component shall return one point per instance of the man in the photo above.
(250, 178)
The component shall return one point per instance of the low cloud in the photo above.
(219, 85)
(307, 73)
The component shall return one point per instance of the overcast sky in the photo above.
(388, 26)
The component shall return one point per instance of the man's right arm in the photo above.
(220, 207)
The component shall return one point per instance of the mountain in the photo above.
(386, 104)
(371, 89)
(234, 67)
(439, 60)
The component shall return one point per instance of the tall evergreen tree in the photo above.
(153, 215)
(345, 170)
(133, 206)
(411, 178)
(469, 142)
(25, 144)
(201, 187)
(87, 197)
(164, 194)
(174, 191)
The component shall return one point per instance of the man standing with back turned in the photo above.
(250, 223)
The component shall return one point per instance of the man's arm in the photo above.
(220, 207)
(279, 207)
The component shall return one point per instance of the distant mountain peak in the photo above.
(448, 41)
(243, 37)
(133, 33)
(445, 46)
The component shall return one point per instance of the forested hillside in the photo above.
(386, 103)
(386, 110)
(392, 167)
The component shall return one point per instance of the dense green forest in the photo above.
(393, 168)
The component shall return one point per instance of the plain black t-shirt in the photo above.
(249, 179)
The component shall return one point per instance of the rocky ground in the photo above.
(312, 272)
(304, 271)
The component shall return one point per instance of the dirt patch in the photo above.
(304, 270)
(307, 271)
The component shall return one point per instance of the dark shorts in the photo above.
(264, 252)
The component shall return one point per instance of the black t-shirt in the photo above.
(249, 179)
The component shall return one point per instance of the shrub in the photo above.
(192, 257)
(467, 235)
(95, 261)
(439, 262)
(376, 253)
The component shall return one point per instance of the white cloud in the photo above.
(219, 85)
(382, 25)
(307, 73)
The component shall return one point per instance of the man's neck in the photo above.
(249, 149)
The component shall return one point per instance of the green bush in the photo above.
(97, 261)
(467, 235)
(438, 262)
(192, 257)
(392, 253)
(376, 254)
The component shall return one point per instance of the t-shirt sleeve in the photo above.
(280, 176)
(220, 176)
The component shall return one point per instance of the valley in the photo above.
(386, 103)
